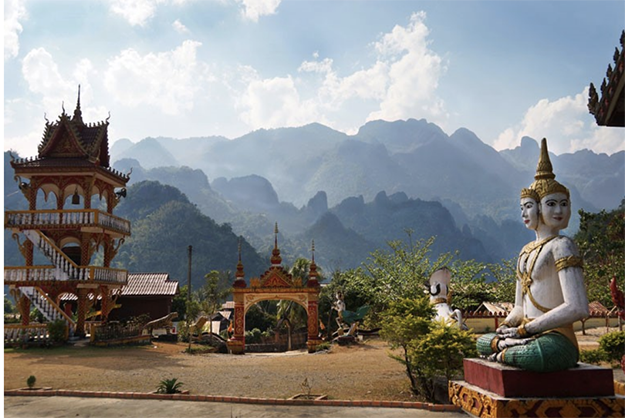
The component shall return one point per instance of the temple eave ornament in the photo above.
(608, 104)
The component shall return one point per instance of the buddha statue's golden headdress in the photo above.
(531, 193)
(544, 181)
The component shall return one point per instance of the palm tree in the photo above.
(289, 312)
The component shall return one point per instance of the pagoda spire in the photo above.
(276, 260)
(239, 280)
(77, 112)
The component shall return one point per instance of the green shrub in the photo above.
(169, 386)
(31, 381)
(431, 350)
(253, 336)
(613, 343)
(596, 356)
(57, 331)
(326, 345)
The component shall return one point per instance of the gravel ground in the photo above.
(364, 371)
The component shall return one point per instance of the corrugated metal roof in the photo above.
(144, 284)
(597, 308)
(496, 307)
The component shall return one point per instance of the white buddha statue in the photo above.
(550, 294)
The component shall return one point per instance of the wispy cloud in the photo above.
(400, 83)
(179, 27)
(14, 13)
(566, 124)
(167, 80)
(136, 12)
(254, 9)
(139, 12)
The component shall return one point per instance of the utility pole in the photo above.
(189, 297)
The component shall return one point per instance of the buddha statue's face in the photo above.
(555, 210)
(529, 212)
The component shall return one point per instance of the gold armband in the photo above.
(494, 344)
(522, 331)
(570, 261)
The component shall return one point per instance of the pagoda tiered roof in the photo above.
(69, 144)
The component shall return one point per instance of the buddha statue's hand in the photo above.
(501, 329)
(512, 332)
(511, 342)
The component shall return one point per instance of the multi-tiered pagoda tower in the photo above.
(70, 176)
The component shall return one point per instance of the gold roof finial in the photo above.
(544, 181)
(313, 266)
(240, 273)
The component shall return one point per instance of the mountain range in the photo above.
(373, 186)
(350, 194)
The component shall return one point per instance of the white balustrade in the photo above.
(67, 218)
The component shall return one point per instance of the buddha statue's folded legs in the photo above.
(544, 353)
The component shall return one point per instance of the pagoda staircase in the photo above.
(48, 308)
(65, 269)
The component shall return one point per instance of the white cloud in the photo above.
(414, 71)
(139, 12)
(400, 84)
(254, 9)
(42, 75)
(274, 103)
(14, 12)
(566, 124)
(179, 27)
(167, 80)
(136, 12)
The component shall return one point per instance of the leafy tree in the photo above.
(401, 272)
(261, 315)
(214, 291)
(474, 282)
(504, 274)
(601, 240)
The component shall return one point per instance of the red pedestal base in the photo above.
(582, 381)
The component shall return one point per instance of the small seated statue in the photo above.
(538, 333)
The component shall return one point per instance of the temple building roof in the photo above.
(608, 105)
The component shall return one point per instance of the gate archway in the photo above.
(275, 284)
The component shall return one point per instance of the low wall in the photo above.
(485, 323)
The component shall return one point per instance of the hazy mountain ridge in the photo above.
(413, 156)
(367, 188)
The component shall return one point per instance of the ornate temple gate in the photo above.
(275, 284)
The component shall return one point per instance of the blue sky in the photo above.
(188, 68)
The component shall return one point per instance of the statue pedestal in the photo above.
(496, 390)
